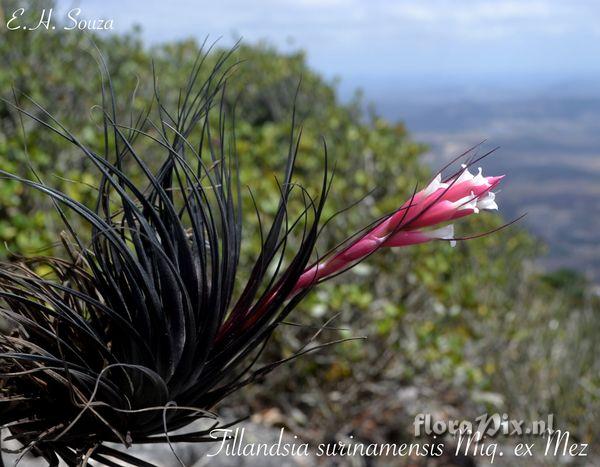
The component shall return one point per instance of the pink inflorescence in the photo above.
(439, 203)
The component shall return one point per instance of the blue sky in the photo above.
(369, 42)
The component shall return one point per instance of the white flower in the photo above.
(487, 201)
(476, 180)
(468, 202)
(443, 233)
(435, 185)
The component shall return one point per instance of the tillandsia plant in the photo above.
(143, 326)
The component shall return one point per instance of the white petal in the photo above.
(435, 185)
(442, 233)
(487, 201)
(468, 202)
(465, 175)
(476, 180)
(479, 179)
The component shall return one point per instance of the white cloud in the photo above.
(385, 36)
(469, 12)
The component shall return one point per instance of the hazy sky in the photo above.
(374, 41)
